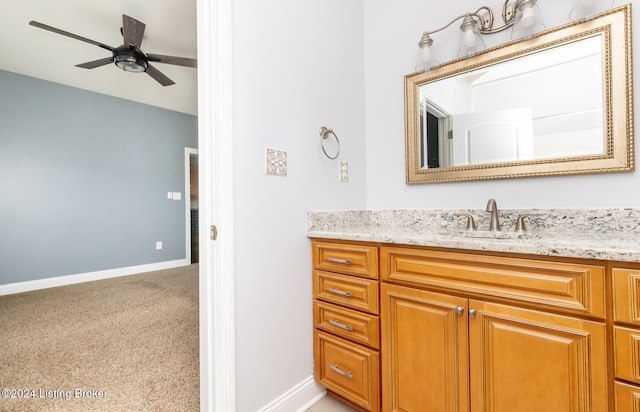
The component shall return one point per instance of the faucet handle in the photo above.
(471, 224)
(520, 226)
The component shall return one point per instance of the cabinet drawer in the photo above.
(350, 324)
(350, 370)
(574, 287)
(349, 291)
(627, 398)
(626, 295)
(351, 259)
(627, 353)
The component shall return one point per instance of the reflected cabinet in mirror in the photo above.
(560, 102)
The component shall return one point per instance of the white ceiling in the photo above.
(171, 30)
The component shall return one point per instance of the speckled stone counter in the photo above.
(606, 234)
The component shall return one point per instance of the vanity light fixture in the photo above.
(522, 15)
(581, 9)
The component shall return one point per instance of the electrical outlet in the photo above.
(159, 245)
(344, 172)
(276, 162)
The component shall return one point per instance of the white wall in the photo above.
(392, 31)
(297, 66)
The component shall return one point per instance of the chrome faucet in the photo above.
(493, 209)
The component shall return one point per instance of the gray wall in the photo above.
(84, 180)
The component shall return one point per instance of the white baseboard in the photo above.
(19, 287)
(297, 399)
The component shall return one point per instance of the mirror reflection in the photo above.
(541, 106)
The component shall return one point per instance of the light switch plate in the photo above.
(169, 195)
(276, 162)
(177, 195)
(344, 172)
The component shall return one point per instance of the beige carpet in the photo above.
(134, 338)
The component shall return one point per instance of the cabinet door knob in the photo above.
(459, 310)
(472, 313)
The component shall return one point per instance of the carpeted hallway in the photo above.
(122, 344)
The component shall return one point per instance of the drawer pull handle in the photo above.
(341, 325)
(341, 372)
(336, 260)
(339, 292)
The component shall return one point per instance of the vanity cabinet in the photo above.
(626, 338)
(412, 328)
(480, 332)
(347, 323)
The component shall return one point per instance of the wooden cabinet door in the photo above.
(528, 361)
(424, 355)
(627, 351)
(626, 295)
(627, 397)
(349, 369)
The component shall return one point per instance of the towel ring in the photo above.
(324, 133)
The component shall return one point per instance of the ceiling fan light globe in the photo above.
(130, 65)
(129, 60)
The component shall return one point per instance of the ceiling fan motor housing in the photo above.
(130, 60)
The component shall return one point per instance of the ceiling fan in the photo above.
(129, 57)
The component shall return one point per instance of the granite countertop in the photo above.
(604, 234)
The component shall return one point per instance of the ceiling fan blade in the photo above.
(96, 63)
(132, 30)
(158, 76)
(179, 61)
(73, 36)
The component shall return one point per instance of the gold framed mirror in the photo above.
(557, 103)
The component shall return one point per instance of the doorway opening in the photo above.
(191, 202)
